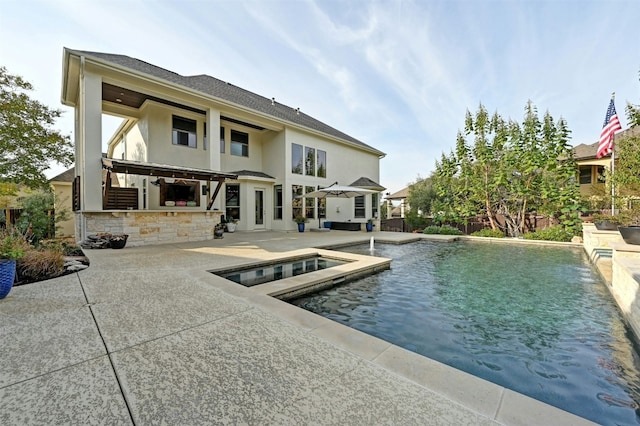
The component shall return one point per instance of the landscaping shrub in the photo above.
(442, 230)
(552, 233)
(67, 246)
(40, 264)
(489, 233)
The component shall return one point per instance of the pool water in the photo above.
(535, 319)
(271, 272)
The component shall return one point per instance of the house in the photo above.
(62, 195)
(397, 204)
(591, 170)
(194, 150)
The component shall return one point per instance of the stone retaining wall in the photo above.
(146, 227)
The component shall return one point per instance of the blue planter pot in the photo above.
(7, 276)
(301, 227)
(369, 227)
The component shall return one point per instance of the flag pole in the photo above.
(613, 189)
(613, 168)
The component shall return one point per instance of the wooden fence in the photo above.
(533, 222)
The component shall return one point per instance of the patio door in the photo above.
(259, 203)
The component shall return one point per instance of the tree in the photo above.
(27, 141)
(509, 169)
(36, 219)
(421, 195)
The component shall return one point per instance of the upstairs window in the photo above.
(310, 161)
(184, 132)
(239, 143)
(322, 164)
(296, 159)
(222, 142)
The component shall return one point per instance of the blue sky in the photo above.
(398, 75)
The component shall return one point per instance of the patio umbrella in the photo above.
(337, 191)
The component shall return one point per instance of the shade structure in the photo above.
(337, 191)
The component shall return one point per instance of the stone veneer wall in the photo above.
(154, 227)
(625, 270)
(625, 283)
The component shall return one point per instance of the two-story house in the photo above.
(192, 149)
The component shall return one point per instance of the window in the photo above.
(585, 175)
(239, 143)
(296, 159)
(205, 142)
(296, 203)
(310, 161)
(359, 210)
(222, 142)
(322, 164)
(277, 201)
(232, 201)
(184, 132)
(309, 203)
(180, 193)
(374, 206)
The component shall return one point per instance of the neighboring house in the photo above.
(591, 170)
(194, 148)
(61, 186)
(397, 204)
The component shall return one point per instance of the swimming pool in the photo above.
(535, 319)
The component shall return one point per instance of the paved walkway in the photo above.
(146, 336)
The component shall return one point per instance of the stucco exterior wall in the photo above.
(63, 202)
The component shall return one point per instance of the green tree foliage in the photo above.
(36, 219)
(627, 172)
(27, 141)
(633, 114)
(506, 168)
(421, 195)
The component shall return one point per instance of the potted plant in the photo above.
(300, 220)
(12, 247)
(231, 224)
(118, 241)
(630, 224)
(218, 231)
(606, 222)
(369, 225)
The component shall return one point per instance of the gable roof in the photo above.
(403, 193)
(66, 176)
(589, 151)
(366, 183)
(221, 90)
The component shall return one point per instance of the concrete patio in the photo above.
(147, 336)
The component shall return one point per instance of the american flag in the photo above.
(610, 126)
